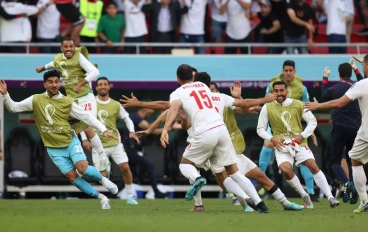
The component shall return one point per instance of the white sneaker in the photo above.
(308, 202)
(105, 203)
(109, 185)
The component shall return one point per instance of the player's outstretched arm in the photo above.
(134, 102)
(255, 102)
(160, 120)
(48, 66)
(334, 104)
(84, 116)
(15, 107)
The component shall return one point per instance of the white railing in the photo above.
(358, 46)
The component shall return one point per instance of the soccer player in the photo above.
(51, 111)
(77, 74)
(296, 90)
(285, 116)
(108, 111)
(342, 134)
(359, 152)
(210, 139)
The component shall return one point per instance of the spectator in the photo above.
(238, 17)
(165, 18)
(278, 8)
(350, 12)
(48, 24)
(317, 6)
(362, 7)
(270, 28)
(17, 30)
(192, 23)
(91, 11)
(218, 21)
(300, 16)
(72, 14)
(136, 27)
(111, 29)
(336, 25)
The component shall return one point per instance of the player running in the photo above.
(285, 116)
(77, 75)
(51, 111)
(108, 111)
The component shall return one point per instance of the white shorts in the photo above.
(359, 152)
(117, 153)
(304, 154)
(245, 164)
(88, 103)
(214, 145)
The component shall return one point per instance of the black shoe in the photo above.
(262, 208)
(314, 197)
(363, 32)
(159, 194)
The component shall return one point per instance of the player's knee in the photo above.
(124, 167)
(81, 166)
(71, 175)
(312, 166)
(287, 170)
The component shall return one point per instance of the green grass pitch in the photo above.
(171, 215)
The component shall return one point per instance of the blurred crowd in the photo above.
(186, 21)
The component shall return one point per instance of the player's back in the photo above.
(359, 90)
(221, 101)
(197, 104)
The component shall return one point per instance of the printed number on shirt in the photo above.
(201, 99)
(88, 106)
(78, 149)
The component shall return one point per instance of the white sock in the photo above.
(295, 183)
(189, 171)
(101, 196)
(129, 190)
(232, 186)
(231, 195)
(280, 197)
(246, 185)
(96, 144)
(322, 183)
(198, 196)
(360, 181)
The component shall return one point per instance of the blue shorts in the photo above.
(65, 157)
(217, 28)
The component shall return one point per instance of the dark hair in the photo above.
(194, 70)
(365, 59)
(184, 72)
(288, 63)
(345, 70)
(111, 3)
(216, 86)
(67, 39)
(204, 78)
(279, 83)
(51, 73)
(102, 78)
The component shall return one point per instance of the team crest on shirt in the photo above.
(49, 111)
(102, 116)
(285, 118)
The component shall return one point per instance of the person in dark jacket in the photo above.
(165, 18)
(345, 125)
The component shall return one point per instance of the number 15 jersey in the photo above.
(197, 104)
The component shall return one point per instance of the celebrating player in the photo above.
(359, 152)
(74, 66)
(289, 139)
(51, 111)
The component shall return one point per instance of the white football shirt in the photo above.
(221, 101)
(197, 104)
(359, 91)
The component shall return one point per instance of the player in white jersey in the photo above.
(359, 152)
(210, 140)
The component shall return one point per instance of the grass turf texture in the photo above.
(171, 215)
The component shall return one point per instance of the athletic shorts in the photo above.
(214, 145)
(302, 155)
(65, 158)
(244, 164)
(359, 152)
(88, 103)
(70, 13)
(117, 153)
